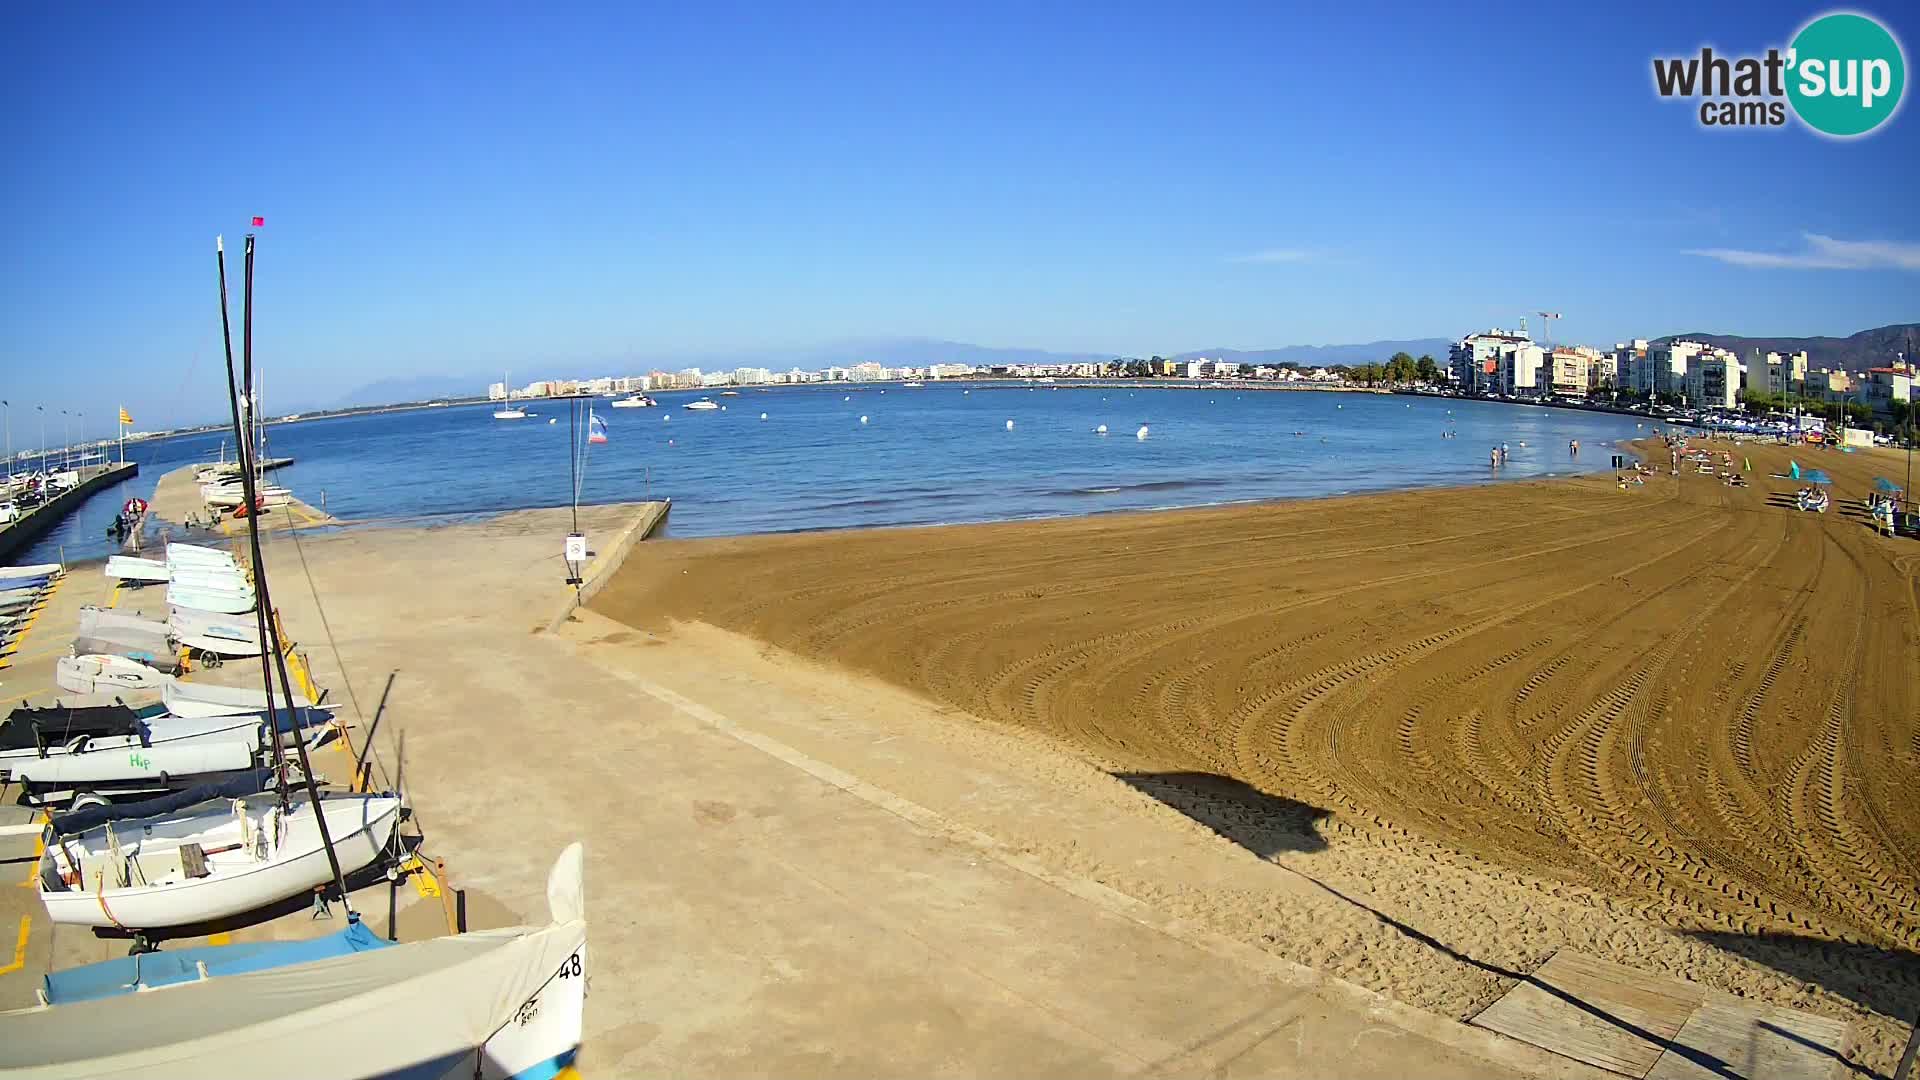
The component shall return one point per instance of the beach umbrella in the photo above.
(1882, 484)
(1816, 476)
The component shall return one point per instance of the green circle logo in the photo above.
(1847, 74)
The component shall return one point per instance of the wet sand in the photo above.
(1674, 726)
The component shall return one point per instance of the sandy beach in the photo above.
(1673, 726)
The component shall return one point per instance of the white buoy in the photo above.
(964, 393)
(1009, 425)
(666, 419)
(849, 397)
(863, 419)
(723, 408)
(1142, 433)
(763, 416)
(554, 420)
(1101, 430)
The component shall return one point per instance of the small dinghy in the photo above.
(94, 673)
(211, 860)
(199, 699)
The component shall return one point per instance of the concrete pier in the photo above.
(177, 497)
(18, 534)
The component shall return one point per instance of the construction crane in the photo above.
(1549, 316)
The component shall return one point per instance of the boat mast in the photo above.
(262, 595)
(259, 610)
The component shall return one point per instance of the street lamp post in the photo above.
(6, 411)
(66, 439)
(42, 410)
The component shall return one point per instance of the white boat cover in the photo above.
(45, 569)
(446, 1007)
(199, 699)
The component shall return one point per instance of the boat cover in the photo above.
(130, 974)
(56, 726)
(419, 1009)
(92, 817)
(153, 650)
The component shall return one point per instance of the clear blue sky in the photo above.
(464, 188)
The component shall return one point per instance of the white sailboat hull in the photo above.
(181, 553)
(36, 570)
(128, 568)
(209, 599)
(198, 699)
(111, 764)
(361, 826)
(96, 673)
(497, 1003)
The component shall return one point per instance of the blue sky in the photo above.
(462, 189)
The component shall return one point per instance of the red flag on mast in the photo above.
(259, 221)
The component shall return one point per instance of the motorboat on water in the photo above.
(636, 401)
(729, 393)
(702, 405)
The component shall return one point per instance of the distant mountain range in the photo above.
(1868, 348)
(1325, 355)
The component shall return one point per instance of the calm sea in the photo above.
(921, 456)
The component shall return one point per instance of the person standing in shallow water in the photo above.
(1573, 447)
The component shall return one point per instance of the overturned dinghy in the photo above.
(213, 860)
(93, 673)
(497, 1003)
(214, 632)
(225, 601)
(199, 699)
(154, 650)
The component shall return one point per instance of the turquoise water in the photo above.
(926, 456)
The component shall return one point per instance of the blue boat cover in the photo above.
(128, 974)
(237, 787)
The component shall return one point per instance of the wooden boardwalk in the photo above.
(1643, 1025)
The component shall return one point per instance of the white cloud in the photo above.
(1274, 255)
(1822, 253)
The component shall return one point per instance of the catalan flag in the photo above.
(124, 417)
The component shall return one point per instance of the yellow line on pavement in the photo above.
(20, 947)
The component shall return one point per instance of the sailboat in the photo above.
(496, 1003)
(508, 410)
(503, 1003)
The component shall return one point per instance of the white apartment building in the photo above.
(1713, 378)
(497, 391)
(1666, 368)
(1476, 360)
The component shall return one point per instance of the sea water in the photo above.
(941, 454)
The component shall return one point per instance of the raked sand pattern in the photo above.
(1676, 726)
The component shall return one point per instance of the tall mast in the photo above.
(262, 594)
(259, 611)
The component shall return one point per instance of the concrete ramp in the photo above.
(1639, 1024)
